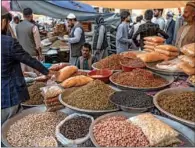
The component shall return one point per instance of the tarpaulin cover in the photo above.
(55, 9)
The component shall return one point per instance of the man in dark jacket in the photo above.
(100, 43)
(170, 27)
(13, 86)
(148, 29)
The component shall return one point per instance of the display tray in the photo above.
(9, 122)
(170, 80)
(186, 134)
(173, 91)
(91, 112)
(152, 66)
(95, 68)
(132, 109)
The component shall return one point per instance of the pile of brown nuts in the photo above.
(116, 131)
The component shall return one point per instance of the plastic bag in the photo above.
(189, 49)
(68, 142)
(51, 91)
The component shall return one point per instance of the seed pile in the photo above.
(111, 62)
(76, 128)
(46, 142)
(138, 78)
(28, 131)
(132, 98)
(117, 132)
(180, 105)
(132, 62)
(35, 94)
(93, 96)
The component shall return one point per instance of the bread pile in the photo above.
(188, 59)
(151, 42)
(167, 50)
(157, 132)
(152, 57)
(67, 78)
(51, 94)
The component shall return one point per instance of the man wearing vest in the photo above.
(86, 60)
(76, 38)
(100, 39)
(29, 37)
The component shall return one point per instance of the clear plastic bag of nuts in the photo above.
(68, 142)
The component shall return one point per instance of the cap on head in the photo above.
(71, 16)
(4, 11)
(27, 11)
(170, 14)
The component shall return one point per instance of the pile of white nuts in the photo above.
(27, 131)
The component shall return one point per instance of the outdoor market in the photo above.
(97, 73)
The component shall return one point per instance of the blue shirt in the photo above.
(122, 41)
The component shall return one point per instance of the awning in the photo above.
(55, 8)
(137, 4)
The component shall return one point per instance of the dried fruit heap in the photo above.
(93, 96)
(180, 105)
(138, 78)
(28, 131)
(116, 131)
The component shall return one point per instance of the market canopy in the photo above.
(55, 8)
(137, 4)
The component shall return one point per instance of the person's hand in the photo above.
(52, 74)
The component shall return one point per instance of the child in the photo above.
(86, 60)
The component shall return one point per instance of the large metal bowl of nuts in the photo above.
(167, 102)
(6, 129)
(186, 135)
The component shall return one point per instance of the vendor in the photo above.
(13, 86)
(86, 60)
(29, 37)
(76, 38)
(186, 33)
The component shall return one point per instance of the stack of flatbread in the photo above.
(188, 59)
(151, 42)
(157, 132)
(168, 50)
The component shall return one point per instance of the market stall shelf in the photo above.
(186, 135)
(169, 79)
(152, 67)
(173, 91)
(11, 121)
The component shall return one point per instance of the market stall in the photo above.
(121, 98)
(132, 99)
